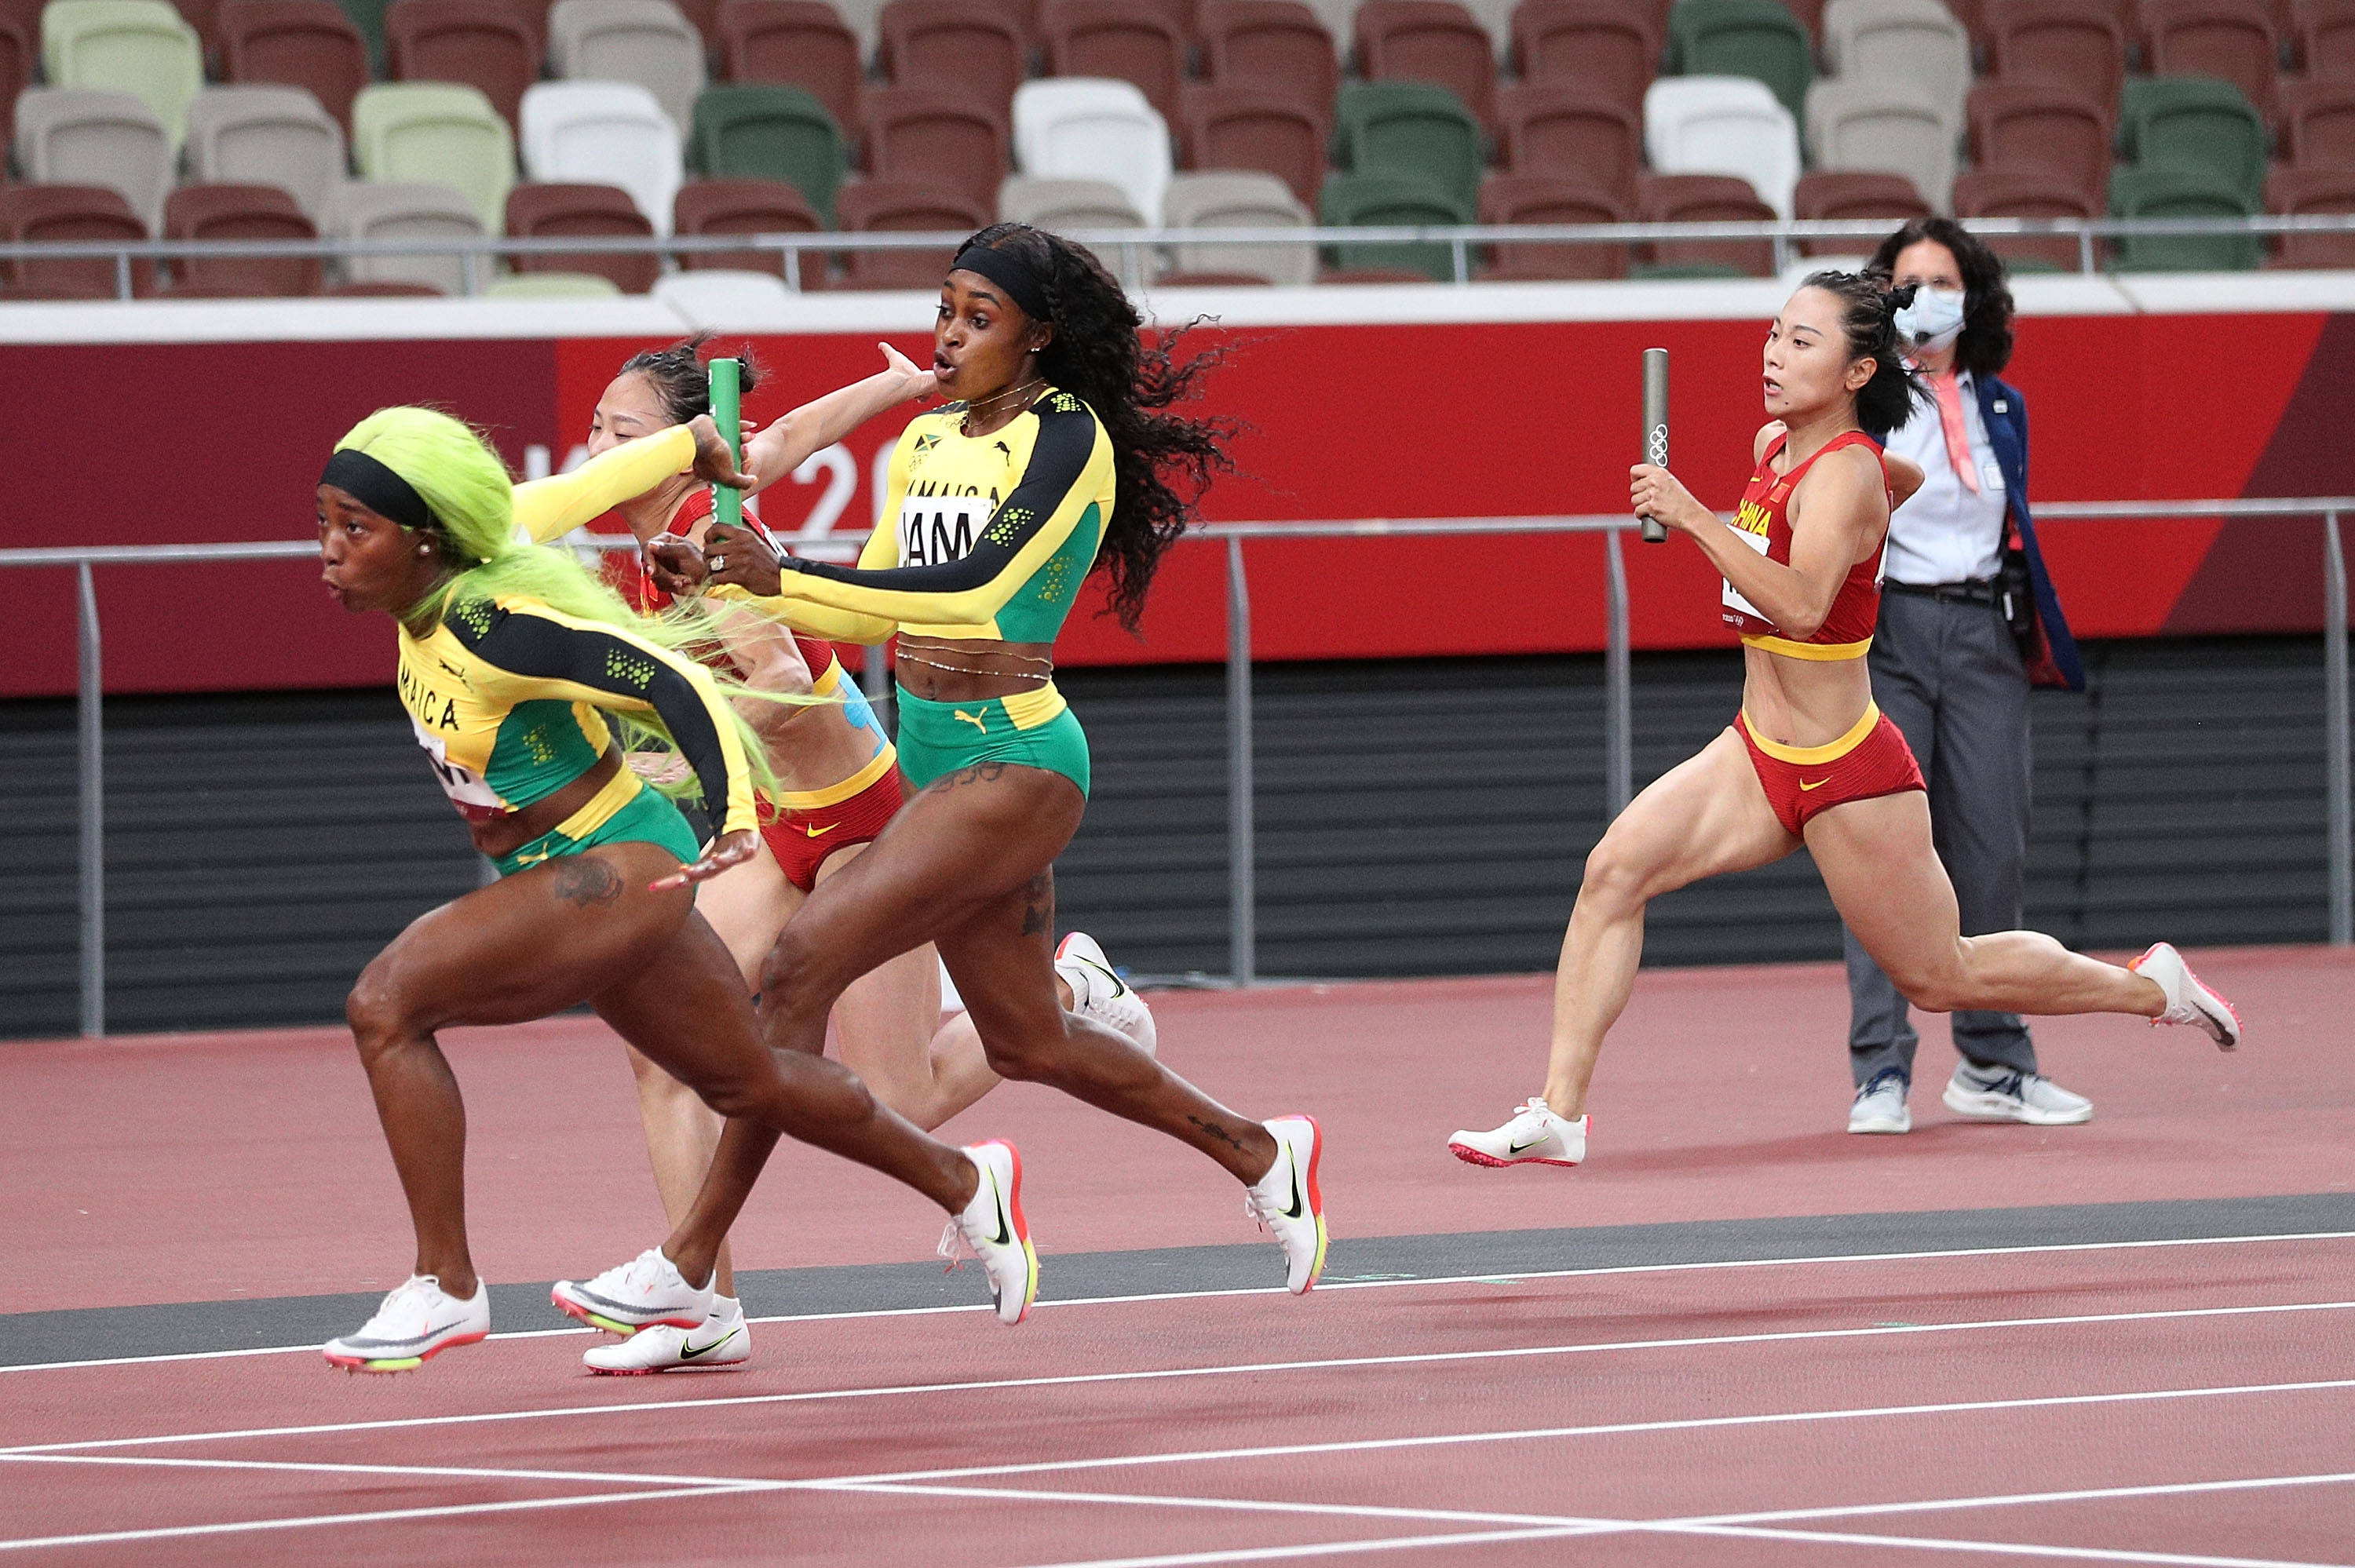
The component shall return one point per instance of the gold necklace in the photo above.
(1032, 386)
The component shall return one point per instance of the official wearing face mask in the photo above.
(1968, 621)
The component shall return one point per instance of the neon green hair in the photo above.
(465, 486)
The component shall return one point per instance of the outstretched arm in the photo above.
(550, 508)
(819, 423)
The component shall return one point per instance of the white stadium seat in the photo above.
(1093, 127)
(95, 136)
(717, 297)
(604, 133)
(1723, 125)
(1065, 206)
(644, 41)
(1901, 40)
(1237, 199)
(267, 135)
(1889, 126)
(360, 209)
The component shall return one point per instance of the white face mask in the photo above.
(1933, 321)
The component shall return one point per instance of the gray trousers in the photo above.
(1949, 676)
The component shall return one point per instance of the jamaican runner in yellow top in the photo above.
(1054, 461)
(515, 666)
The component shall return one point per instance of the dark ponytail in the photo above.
(1869, 308)
(680, 377)
(1101, 356)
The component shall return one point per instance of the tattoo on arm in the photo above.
(1213, 1129)
(584, 881)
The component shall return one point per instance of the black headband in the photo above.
(377, 488)
(1009, 271)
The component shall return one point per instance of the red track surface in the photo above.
(1601, 1419)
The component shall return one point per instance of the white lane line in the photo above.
(1153, 1374)
(380, 1516)
(1494, 1276)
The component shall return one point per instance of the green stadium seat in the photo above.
(2180, 193)
(143, 48)
(438, 133)
(1410, 129)
(2199, 124)
(1757, 38)
(367, 16)
(1357, 200)
(769, 133)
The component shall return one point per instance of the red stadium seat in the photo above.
(18, 51)
(565, 211)
(1706, 198)
(2317, 121)
(2026, 125)
(295, 43)
(199, 15)
(909, 207)
(1275, 43)
(973, 46)
(743, 206)
(703, 14)
(1841, 195)
(939, 135)
(1430, 40)
(2033, 191)
(1129, 40)
(487, 44)
(1552, 199)
(2232, 40)
(1570, 129)
(2324, 30)
(1605, 45)
(2072, 44)
(1253, 127)
(240, 212)
(794, 43)
(60, 212)
(2293, 191)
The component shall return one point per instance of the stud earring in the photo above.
(424, 549)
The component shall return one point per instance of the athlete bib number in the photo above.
(465, 787)
(938, 528)
(1732, 597)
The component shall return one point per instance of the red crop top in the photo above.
(1763, 522)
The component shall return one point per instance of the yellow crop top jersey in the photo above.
(981, 536)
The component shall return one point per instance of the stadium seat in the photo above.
(769, 134)
(309, 44)
(888, 205)
(2075, 44)
(367, 16)
(2194, 124)
(1094, 128)
(1703, 198)
(1430, 40)
(1552, 199)
(971, 46)
(1603, 44)
(552, 286)
(1129, 40)
(1253, 127)
(2317, 121)
(2026, 192)
(2180, 193)
(1888, 124)
(435, 132)
(743, 207)
(412, 211)
(1838, 196)
(1570, 130)
(198, 15)
(1809, 14)
(19, 49)
(30, 213)
(267, 135)
(490, 45)
(91, 136)
(240, 212)
(1496, 19)
(2235, 40)
(937, 135)
(140, 47)
(2024, 124)
(649, 42)
(863, 18)
(1075, 206)
(569, 211)
(1238, 200)
(1723, 125)
(1411, 130)
(2293, 192)
(712, 299)
(388, 290)
(1279, 44)
(1901, 40)
(609, 133)
(1175, 279)
(1757, 38)
(1361, 200)
(2324, 30)
(794, 43)
(1337, 17)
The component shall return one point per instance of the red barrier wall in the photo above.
(156, 442)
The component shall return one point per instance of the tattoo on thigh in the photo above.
(1039, 915)
(583, 881)
(1215, 1130)
(978, 773)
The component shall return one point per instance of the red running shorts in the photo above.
(1871, 760)
(802, 838)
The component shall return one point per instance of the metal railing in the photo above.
(1141, 252)
(1243, 902)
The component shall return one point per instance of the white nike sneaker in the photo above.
(1880, 1106)
(1998, 1094)
(722, 1340)
(2188, 1001)
(1101, 995)
(992, 1227)
(1534, 1137)
(417, 1322)
(1289, 1205)
(639, 1294)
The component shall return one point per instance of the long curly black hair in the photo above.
(1161, 461)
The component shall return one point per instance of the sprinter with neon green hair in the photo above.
(516, 663)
